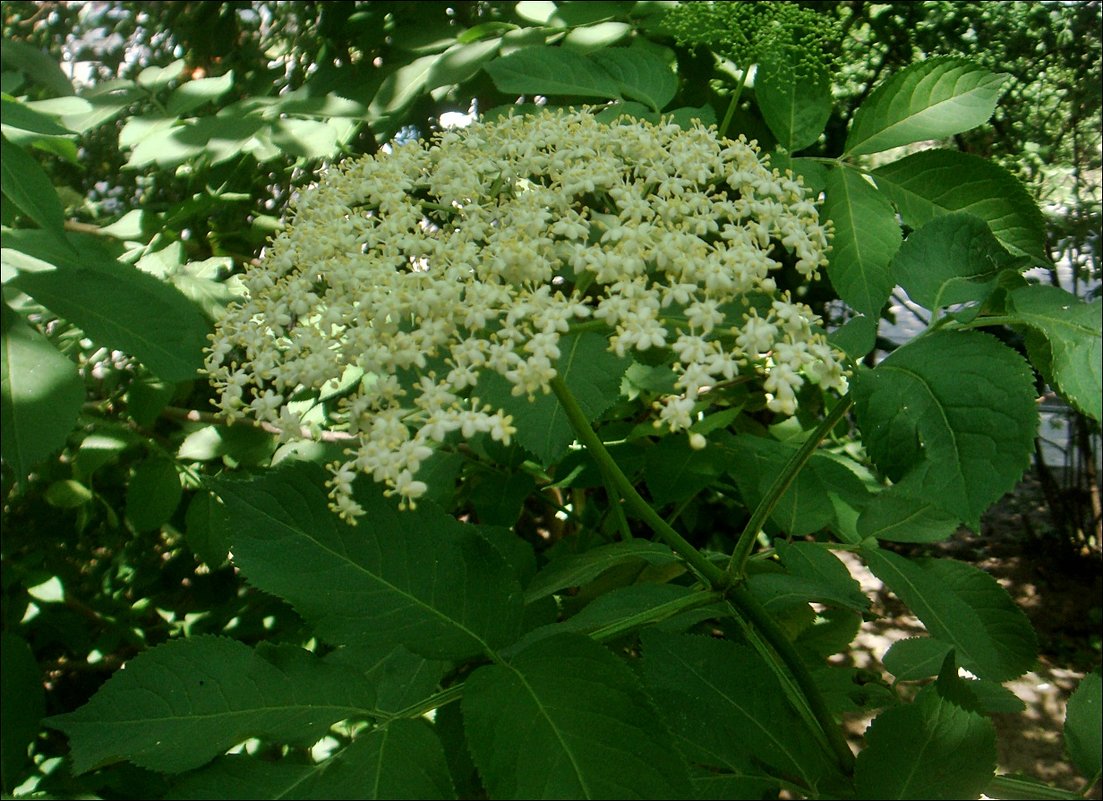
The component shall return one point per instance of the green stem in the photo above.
(713, 575)
(1009, 787)
(737, 566)
(611, 631)
(742, 600)
(734, 103)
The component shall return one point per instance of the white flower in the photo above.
(426, 267)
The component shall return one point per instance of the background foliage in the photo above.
(150, 149)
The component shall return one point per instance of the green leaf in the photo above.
(1073, 330)
(727, 709)
(24, 704)
(208, 542)
(37, 65)
(153, 493)
(403, 759)
(20, 117)
(795, 108)
(805, 506)
(118, 306)
(416, 578)
(950, 418)
(898, 517)
(932, 748)
(928, 184)
(867, 236)
(816, 564)
(915, 658)
(400, 677)
(857, 336)
(460, 62)
(193, 94)
(1083, 737)
(40, 395)
(932, 99)
(308, 139)
(591, 372)
(181, 704)
(675, 471)
(964, 607)
(952, 259)
(640, 74)
(400, 89)
(578, 569)
(566, 719)
(552, 71)
(593, 38)
(26, 185)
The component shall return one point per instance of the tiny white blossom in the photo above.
(428, 266)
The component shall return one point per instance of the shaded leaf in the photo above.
(590, 371)
(179, 705)
(26, 184)
(40, 395)
(898, 517)
(640, 75)
(915, 658)
(566, 719)
(727, 709)
(933, 748)
(118, 305)
(795, 107)
(403, 759)
(577, 569)
(417, 578)
(153, 493)
(964, 607)
(24, 704)
(933, 99)
(1083, 737)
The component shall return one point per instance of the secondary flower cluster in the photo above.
(406, 276)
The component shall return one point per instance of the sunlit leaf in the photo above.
(950, 418)
(928, 184)
(867, 236)
(933, 99)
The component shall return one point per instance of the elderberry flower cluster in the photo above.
(408, 275)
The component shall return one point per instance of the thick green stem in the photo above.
(741, 599)
(713, 575)
(737, 566)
